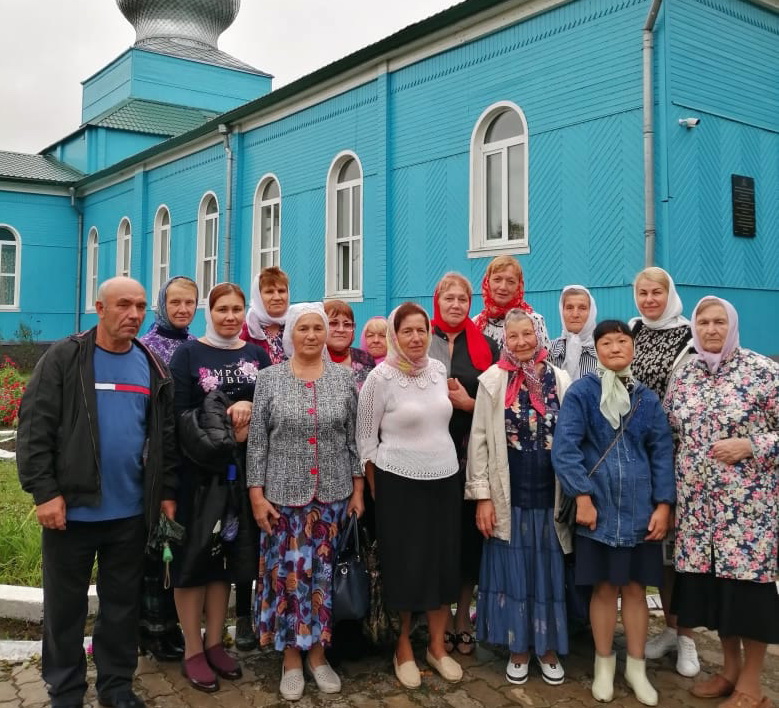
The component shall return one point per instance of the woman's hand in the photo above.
(240, 414)
(459, 396)
(370, 476)
(264, 512)
(486, 520)
(731, 450)
(659, 523)
(586, 513)
(356, 505)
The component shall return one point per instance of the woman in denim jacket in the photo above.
(613, 451)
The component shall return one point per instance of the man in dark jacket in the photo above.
(96, 449)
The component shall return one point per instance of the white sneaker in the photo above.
(687, 663)
(661, 644)
(553, 673)
(517, 673)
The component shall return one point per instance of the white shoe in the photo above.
(635, 677)
(553, 672)
(517, 673)
(603, 683)
(661, 644)
(292, 684)
(687, 663)
(327, 681)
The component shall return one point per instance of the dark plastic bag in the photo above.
(351, 582)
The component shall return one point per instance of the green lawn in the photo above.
(20, 534)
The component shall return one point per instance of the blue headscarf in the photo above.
(164, 325)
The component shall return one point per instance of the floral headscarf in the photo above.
(492, 310)
(523, 371)
(397, 358)
(714, 359)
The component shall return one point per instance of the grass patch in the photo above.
(20, 533)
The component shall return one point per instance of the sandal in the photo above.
(450, 640)
(716, 686)
(465, 643)
(742, 700)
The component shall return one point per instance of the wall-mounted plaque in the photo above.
(743, 198)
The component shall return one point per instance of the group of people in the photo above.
(478, 453)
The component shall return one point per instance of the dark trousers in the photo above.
(68, 557)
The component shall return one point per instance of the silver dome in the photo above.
(187, 21)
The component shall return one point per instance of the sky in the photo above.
(50, 46)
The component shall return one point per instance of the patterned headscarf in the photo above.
(574, 343)
(397, 358)
(523, 371)
(161, 312)
(257, 317)
(714, 359)
(294, 313)
(492, 310)
(364, 341)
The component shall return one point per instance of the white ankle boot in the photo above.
(635, 676)
(603, 683)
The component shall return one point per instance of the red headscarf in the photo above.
(524, 372)
(492, 310)
(478, 349)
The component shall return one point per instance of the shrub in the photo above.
(12, 387)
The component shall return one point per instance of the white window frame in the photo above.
(17, 246)
(160, 267)
(274, 203)
(207, 223)
(93, 266)
(331, 237)
(479, 246)
(124, 256)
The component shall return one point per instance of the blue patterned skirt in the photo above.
(521, 598)
(293, 606)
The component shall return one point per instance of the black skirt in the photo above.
(418, 530)
(598, 563)
(735, 608)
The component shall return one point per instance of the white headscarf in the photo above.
(714, 359)
(672, 315)
(574, 343)
(294, 313)
(214, 339)
(258, 316)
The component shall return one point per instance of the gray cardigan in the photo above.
(301, 438)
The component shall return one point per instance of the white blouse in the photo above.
(403, 422)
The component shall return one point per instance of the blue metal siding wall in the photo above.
(108, 87)
(47, 229)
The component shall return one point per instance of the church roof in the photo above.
(153, 117)
(170, 46)
(38, 168)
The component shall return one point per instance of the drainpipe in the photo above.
(650, 228)
(224, 131)
(79, 256)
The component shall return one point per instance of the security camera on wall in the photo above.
(689, 122)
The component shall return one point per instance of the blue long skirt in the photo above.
(521, 598)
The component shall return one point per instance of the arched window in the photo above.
(499, 181)
(92, 268)
(266, 227)
(344, 227)
(161, 262)
(123, 247)
(207, 245)
(10, 247)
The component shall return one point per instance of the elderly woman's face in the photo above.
(453, 304)
(521, 339)
(504, 285)
(652, 298)
(413, 335)
(376, 338)
(275, 298)
(576, 310)
(615, 350)
(180, 304)
(309, 334)
(711, 326)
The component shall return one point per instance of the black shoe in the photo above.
(122, 699)
(245, 639)
(175, 637)
(161, 648)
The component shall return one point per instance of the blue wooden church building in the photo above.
(587, 137)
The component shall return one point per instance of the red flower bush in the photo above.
(11, 389)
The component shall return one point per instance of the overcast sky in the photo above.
(50, 46)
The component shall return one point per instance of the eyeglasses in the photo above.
(348, 326)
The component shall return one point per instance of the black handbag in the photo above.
(351, 582)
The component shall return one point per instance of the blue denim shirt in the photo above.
(636, 475)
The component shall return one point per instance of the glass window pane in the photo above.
(211, 206)
(356, 215)
(165, 219)
(506, 125)
(356, 264)
(271, 190)
(8, 258)
(343, 266)
(516, 165)
(6, 290)
(276, 226)
(494, 196)
(266, 224)
(342, 213)
(165, 246)
(6, 235)
(349, 171)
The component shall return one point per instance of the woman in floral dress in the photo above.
(724, 410)
(218, 360)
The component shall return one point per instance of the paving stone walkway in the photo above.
(370, 683)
